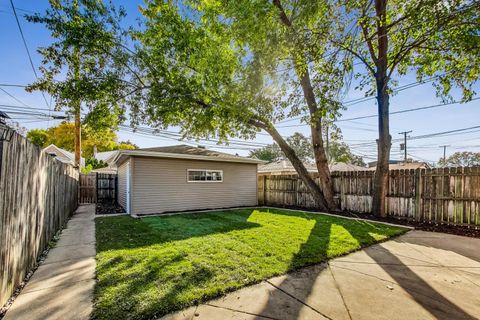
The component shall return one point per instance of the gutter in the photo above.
(155, 154)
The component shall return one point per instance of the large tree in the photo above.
(84, 67)
(436, 39)
(461, 159)
(268, 153)
(232, 68)
(337, 151)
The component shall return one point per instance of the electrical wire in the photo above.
(391, 113)
(26, 48)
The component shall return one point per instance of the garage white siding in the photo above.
(160, 185)
(122, 184)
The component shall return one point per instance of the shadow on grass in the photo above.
(133, 296)
(314, 251)
(148, 231)
(423, 293)
(156, 279)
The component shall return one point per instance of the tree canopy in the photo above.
(86, 62)
(63, 137)
(338, 151)
(222, 69)
(461, 159)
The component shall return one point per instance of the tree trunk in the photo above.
(317, 141)
(316, 192)
(384, 141)
(316, 126)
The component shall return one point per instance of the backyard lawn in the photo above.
(151, 266)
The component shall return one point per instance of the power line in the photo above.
(15, 107)
(26, 47)
(396, 90)
(13, 97)
(391, 113)
(12, 85)
(430, 135)
(177, 136)
(178, 139)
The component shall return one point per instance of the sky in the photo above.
(360, 134)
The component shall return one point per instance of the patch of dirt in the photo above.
(108, 208)
(459, 230)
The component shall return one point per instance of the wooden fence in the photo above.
(98, 187)
(446, 195)
(38, 194)
(88, 188)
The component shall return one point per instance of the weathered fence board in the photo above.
(88, 188)
(96, 187)
(37, 196)
(445, 195)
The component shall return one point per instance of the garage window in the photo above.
(200, 175)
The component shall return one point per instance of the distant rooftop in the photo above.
(105, 155)
(62, 155)
(286, 167)
(185, 152)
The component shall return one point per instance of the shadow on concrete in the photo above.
(424, 294)
(314, 251)
(464, 246)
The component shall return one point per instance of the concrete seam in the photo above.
(339, 291)
(194, 312)
(299, 300)
(240, 311)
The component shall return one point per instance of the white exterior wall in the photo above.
(160, 185)
(122, 184)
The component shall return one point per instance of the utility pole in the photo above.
(444, 153)
(77, 102)
(404, 143)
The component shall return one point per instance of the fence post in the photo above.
(418, 194)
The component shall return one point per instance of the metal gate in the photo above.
(106, 188)
(98, 187)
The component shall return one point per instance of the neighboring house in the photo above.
(373, 164)
(62, 155)
(108, 170)
(182, 178)
(285, 167)
(107, 157)
(395, 165)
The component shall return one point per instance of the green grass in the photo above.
(151, 266)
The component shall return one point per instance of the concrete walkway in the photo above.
(420, 275)
(62, 287)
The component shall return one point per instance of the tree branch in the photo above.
(283, 16)
(356, 54)
(366, 31)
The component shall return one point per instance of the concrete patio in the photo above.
(62, 287)
(420, 275)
